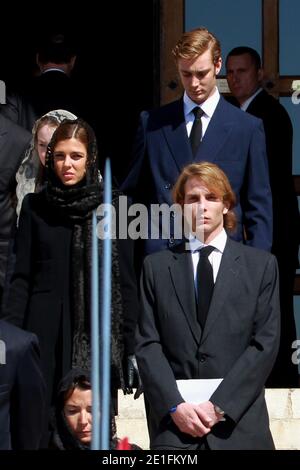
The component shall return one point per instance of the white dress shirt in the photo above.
(246, 103)
(215, 256)
(207, 106)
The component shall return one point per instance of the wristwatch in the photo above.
(218, 410)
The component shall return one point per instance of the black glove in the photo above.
(133, 376)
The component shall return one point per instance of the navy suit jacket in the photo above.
(22, 389)
(239, 343)
(233, 140)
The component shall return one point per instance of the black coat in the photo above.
(22, 390)
(40, 293)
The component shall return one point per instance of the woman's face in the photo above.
(70, 157)
(43, 138)
(78, 413)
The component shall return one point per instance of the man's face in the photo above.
(203, 209)
(242, 76)
(198, 76)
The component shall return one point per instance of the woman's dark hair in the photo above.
(81, 381)
(80, 130)
(63, 437)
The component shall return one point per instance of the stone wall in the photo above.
(283, 406)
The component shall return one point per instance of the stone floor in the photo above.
(283, 406)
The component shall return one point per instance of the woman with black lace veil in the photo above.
(30, 175)
(50, 288)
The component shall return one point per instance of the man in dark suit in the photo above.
(13, 142)
(18, 110)
(22, 389)
(54, 88)
(244, 76)
(234, 338)
(230, 138)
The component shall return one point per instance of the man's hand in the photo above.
(207, 410)
(132, 374)
(191, 420)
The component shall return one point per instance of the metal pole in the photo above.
(106, 316)
(95, 339)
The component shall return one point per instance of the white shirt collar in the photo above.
(245, 105)
(218, 242)
(53, 69)
(208, 106)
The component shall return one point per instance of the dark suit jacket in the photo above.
(239, 343)
(233, 140)
(279, 141)
(13, 142)
(18, 110)
(286, 223)
(22, 389)
(53, 90)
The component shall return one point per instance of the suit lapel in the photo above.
(3, 131)
(226, 280)
(216, 134)
(257, 103)
(181, 271)
(174, 130)
(177, 138)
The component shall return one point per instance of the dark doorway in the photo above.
(116, 62)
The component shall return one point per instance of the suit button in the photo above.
(167, 186)
(202, 358)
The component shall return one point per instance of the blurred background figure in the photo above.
(22, 390)
(31, 175)
(17, 109)
(13, 142)
(53, 87)
(245, 79)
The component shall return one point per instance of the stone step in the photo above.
(283, 406)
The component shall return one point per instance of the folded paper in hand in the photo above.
(197, 390)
